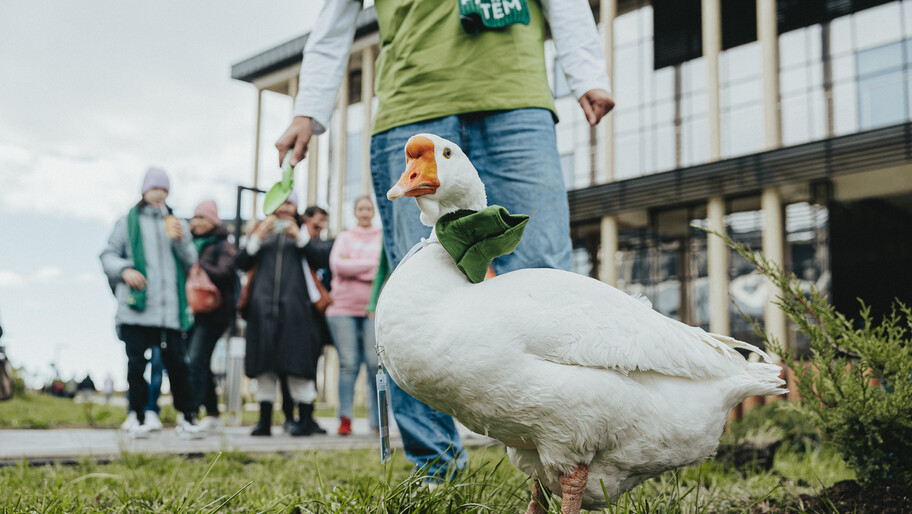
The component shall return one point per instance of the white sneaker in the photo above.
(187, 429)
(211, 424)
(140, 431)
(152, 421)
(130, 422)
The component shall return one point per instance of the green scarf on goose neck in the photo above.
(137, 299)
(475, 238)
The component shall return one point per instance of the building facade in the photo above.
(784, 124)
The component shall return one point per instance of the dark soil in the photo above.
(848, 497)
(747, 455)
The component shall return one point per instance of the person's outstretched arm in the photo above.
(324, 64)
(579, 50)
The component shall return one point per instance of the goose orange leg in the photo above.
(572, 488)
(539, 499)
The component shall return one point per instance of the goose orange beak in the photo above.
(420, 176)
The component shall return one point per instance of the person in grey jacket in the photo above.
(146, 261)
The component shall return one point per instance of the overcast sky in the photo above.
(92, 93)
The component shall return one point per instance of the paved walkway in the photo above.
(38, 446)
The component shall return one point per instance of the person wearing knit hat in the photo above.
(207, 210)
(155, 178)
(146, 259)
(216, 258)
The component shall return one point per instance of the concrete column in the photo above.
(717, 256)
(367, 96)
(717, 264)
(256, 152)
(775, 322)
(293, 87)
(607, 271)
(335, 208)
(712, 47)
(607, 14)
(768, 36)
(774, 250)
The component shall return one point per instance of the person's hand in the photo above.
(265, 226)
(134, 279)
(292, 230)
(296, 138)
(596, 103)
(174, 230)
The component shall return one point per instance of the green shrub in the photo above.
(856, 385)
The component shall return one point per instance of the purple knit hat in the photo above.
(293, 198)
(155, 178)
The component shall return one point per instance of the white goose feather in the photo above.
(562, 368)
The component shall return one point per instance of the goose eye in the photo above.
(447, 153)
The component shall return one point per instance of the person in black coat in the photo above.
(216, 258)
(284, 334)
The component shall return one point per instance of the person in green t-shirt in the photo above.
(477, 78)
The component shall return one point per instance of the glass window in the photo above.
(663, 81)
(845, 112)
(878, 25)
(880, 59)
(665, 147)
(742, 130)
(694, 134)
(801, 87)
(882, 100)
(561, 86)
(627, 157)
(841, 36)
(567, 170)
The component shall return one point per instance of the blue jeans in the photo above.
(202, 384)
(353, 337)
(515, 153)
(155, 380)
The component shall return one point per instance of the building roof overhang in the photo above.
(289, 53)
(816, 161)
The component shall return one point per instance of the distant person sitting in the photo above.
(146, 260)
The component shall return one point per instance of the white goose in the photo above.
(583, 383)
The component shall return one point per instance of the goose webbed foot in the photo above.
(539, 503)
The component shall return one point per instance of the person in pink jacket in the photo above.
(353, 261)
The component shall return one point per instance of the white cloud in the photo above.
(48, 274)
(9, 280)
(85, 276)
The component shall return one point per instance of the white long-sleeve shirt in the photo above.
(575, 35)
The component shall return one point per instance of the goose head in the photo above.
(440, 177)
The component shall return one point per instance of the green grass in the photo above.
(355, 481)
(35, 410)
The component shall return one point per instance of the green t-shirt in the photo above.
(430, 67)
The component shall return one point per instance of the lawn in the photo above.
(35, 410)
(355, 481)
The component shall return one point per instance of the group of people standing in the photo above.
(290, 314)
